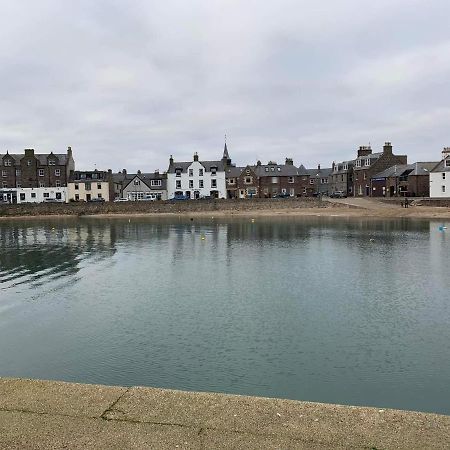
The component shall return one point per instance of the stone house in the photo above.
(404, 180)
(93, 185)
(319, 181)
(232, 175)
(341, 178)
(32, 170)
(368, 164)
(440, 177)
(276, 179)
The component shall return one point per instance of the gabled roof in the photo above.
(418, 168)
(441, 166)
(234, 172)
(184, 165)
(146, 178)
(319, 173)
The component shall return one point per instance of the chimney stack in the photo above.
(29, 152)
(387, 148)
(318, 167)
(364, 150)
(446, 153)
(69, 152)
(195, 156)
(289, 162)
(124, 171)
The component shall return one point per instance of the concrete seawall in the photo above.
(48, 414)
(159, 207)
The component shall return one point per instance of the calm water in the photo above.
(313, 309)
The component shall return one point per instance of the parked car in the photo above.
(96, 200)
(181, 197)
(284, 195)
(120, 200)
(53, 200)
(338, 194)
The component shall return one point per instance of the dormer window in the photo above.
(51, 162)
(367, 162)
(247, 172)
(178, 172)
(358, 163)
(213, 170)
(279, 169)
(447, 162)
(345, 167)
(267, 169)
(336, 168)
(8, 162)
(272, 169)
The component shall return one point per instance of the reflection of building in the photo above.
(90, 186)
(197, 179)
(440, 177)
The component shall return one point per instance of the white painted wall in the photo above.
(207, 178)
(438, 182)
(41, 194)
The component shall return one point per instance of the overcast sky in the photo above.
(127, 83)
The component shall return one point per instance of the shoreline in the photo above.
(343, 212)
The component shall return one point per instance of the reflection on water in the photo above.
(315, 309)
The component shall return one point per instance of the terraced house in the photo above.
(368, 164)
(341, 178)
(32, 177)
(88, 186)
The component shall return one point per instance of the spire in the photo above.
(225, 150)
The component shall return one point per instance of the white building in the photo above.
(42, 195)
(197, 179)
(440, 177)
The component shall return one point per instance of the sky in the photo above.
(128, 83)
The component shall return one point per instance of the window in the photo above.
(290, 179)
(41, 184)
(367, 162)
(447, 162)
(94, 176)
(99, 185)
(4, 173)
(323, 180)
(41, 172)
(19, 185)
(345, 166)
(58, 196)
(57, 172)
(358, 163)
(87, 186)
(191, 172)
(443, 188)
(213, 170)
(155, 183)
(311, 181)
(443, 175)
(200, 172)
(336, 168)
(200, 184)
(8, 163)
(51, 162)
(274, 180)
(178, 172)
(22, 197)
(29, 162)
(304, 190)
(178, 184)
(58, 183)
(365, 176)
(18, 172)
(272, 169)
(99, 195)
(247, 172)
(248, 180)
(33, 195)
(137, 182)
(266, 169)
(191, 184)
(213, 183)
(5, 184)
(46, 195)
(291, 192)
(82, 176)
(279, 169)
(77, 186)
(77, 197)
(231, 181)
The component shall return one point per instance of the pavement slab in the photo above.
(56, 415)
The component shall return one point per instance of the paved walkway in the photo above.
(365, 203)
(44, 415)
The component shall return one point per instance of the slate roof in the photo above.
(441, 166)
(234, 172)
(184, 165)
(126, 178)
(319, 173)
(418, 168)
(41, 157)
(272, 170)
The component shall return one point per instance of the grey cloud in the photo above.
(128, 84)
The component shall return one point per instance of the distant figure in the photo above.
(406, 203)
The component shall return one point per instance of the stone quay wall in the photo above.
(159, 207)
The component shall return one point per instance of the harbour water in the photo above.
(321, 309)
